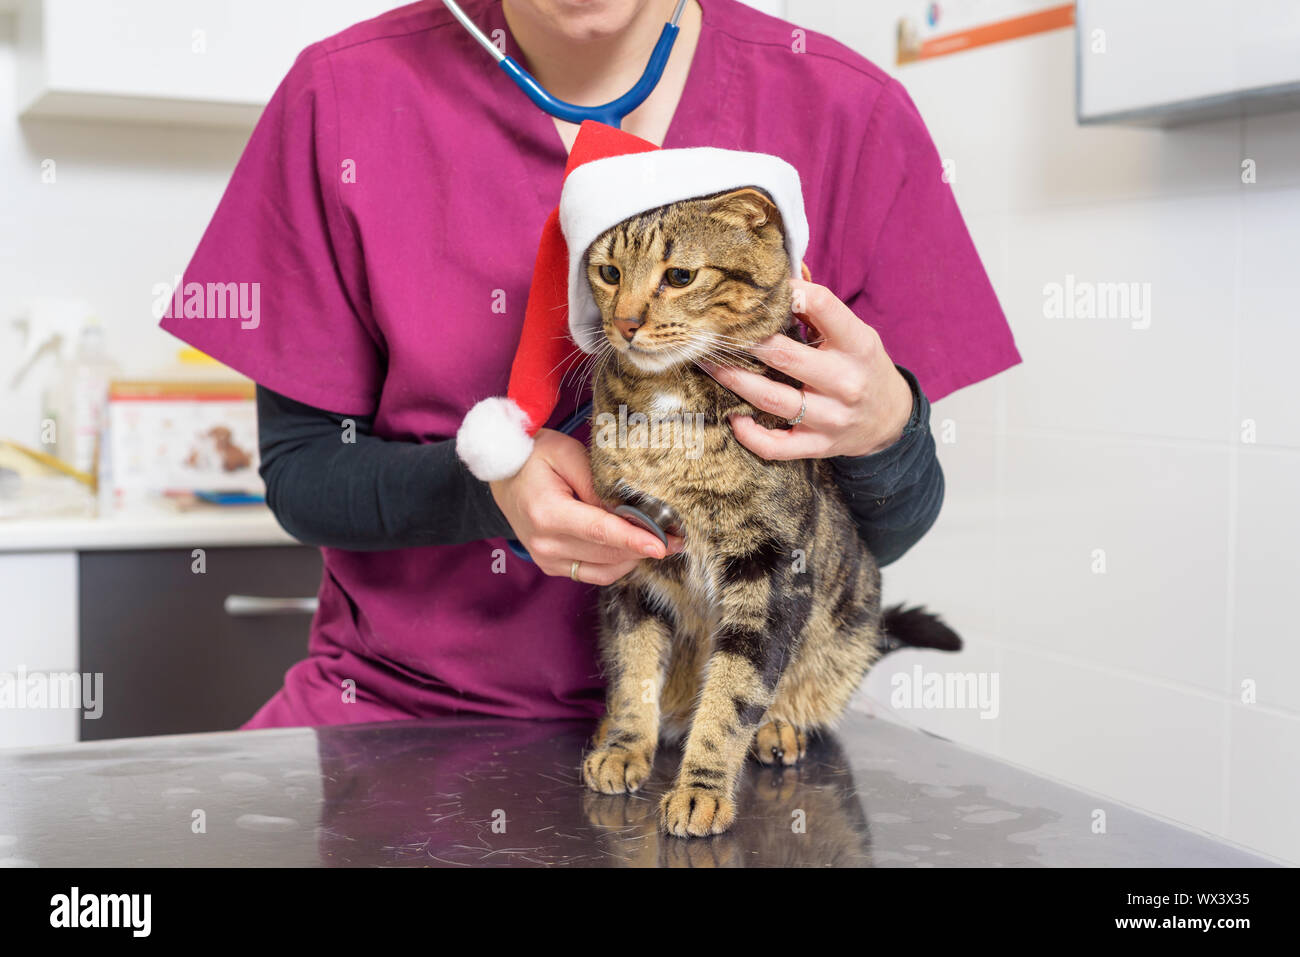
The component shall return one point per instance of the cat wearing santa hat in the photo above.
(757, 633)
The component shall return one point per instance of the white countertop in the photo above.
(211, 526)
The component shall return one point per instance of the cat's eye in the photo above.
(679, 277)
(609, 274)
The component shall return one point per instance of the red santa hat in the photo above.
(611, 175)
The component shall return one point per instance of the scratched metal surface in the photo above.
(474, 792)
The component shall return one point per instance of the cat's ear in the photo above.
(748, 207)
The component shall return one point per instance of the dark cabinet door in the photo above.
(173, 659)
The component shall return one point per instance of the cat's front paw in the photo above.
(616, 769)
(696, 812)
(780, 742)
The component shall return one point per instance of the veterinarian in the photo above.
(389, 205)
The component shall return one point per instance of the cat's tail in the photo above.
(916, 628)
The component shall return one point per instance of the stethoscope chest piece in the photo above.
(654, 516)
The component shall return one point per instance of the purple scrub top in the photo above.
(388, 207)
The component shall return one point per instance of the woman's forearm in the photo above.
(895, 494)
(371, 493)
(337, 486)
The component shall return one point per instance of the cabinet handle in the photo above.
(245, 606)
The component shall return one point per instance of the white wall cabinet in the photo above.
(1165, 62)
(201, 61)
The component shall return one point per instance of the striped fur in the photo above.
(761, 630)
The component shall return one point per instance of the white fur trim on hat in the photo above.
(604, 192)
(493, 441)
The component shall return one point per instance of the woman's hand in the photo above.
(552, 506)
(858, 402)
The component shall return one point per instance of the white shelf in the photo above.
(201, 528)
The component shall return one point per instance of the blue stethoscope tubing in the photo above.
(611, 113)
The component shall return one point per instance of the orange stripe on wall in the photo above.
(1054, 18)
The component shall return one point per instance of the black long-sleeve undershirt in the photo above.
(331, 482)
(895, 494)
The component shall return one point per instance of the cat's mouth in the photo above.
(655, 358)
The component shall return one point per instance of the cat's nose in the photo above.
(627, 327)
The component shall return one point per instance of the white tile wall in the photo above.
(1127, 683)
(1270, 313)
(1156, 515)
(1265, 636)
(1157, 371)
(1145, 743)
(955, 567)
(1263, 775)
(981, 657)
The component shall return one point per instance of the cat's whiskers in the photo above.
(723, 337)
(723, 340)
(710, 350)
(579, 373)
(721, 347)
(599, 360)
(586, 357)
(567, 358)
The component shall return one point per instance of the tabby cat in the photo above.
(758, 633)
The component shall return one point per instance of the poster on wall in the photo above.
(942, 27)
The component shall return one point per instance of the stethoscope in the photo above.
(613, 112)
(654, 516)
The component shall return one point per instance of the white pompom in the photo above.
(493, 441)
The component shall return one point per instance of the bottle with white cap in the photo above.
(78, 399)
